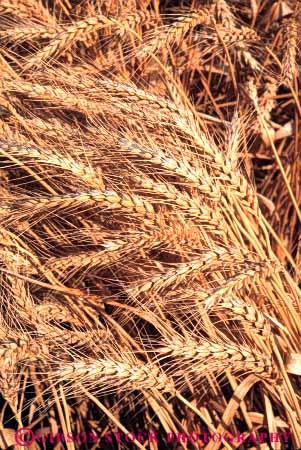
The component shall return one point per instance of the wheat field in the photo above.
(150, 184)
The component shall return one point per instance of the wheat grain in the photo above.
(198, 357)
(119, 374)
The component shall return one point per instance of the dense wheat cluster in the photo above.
(150, 223)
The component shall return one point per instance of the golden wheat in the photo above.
(150, 218)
